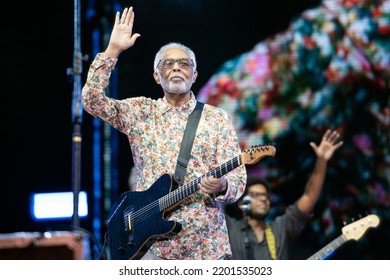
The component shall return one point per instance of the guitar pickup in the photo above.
(127, 217)
(129, 222)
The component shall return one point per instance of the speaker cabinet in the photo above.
(58, 245)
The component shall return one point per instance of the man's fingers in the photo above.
(124, 15)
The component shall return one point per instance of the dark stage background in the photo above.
(37, 95)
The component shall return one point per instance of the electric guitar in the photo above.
(138, 218)
(350, 232)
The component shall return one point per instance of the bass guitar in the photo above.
(138, 218)
(353, 231)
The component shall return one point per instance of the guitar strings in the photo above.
(172, 197)
(140, 215)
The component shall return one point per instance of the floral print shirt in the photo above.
(155, 130)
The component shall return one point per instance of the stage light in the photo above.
(57, 205)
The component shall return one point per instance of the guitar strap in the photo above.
(186, 144)
(270, 241)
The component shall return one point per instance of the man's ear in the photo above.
(195, 76)
(156, 78)
(239, 204)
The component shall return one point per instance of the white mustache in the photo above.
(176, 76)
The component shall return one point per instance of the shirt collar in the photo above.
(185, 109)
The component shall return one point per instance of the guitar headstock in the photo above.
(256, 153)
(356, 229)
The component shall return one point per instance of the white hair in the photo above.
(163, 49)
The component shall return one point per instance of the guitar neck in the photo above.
(182, 192)
(329, 249)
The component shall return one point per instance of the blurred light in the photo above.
(57, 205)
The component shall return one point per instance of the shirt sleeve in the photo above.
(117, 113)
(295, 221)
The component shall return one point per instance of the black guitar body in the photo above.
(136, 221)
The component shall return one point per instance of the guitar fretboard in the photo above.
(184, 191)
(328, 249)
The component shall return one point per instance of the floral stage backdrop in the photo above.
(329, 69)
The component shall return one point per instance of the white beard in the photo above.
(176, 87)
